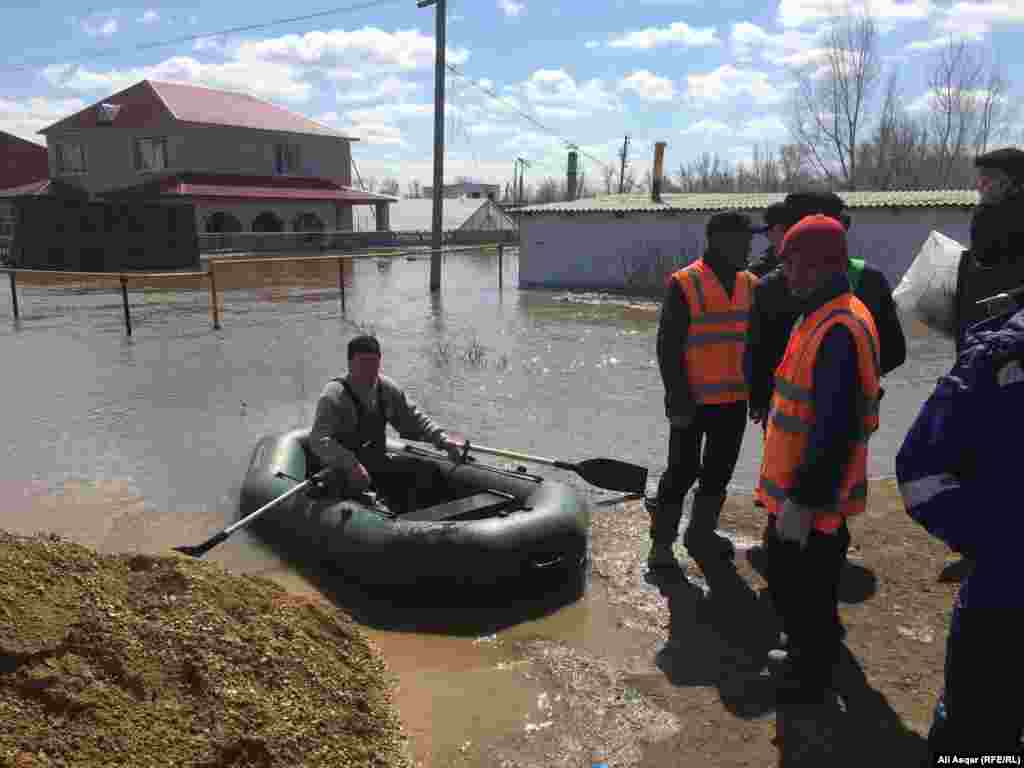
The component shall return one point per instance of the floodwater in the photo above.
(140, 443)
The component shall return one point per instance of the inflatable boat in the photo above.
(493, 524)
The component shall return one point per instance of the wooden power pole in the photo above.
(439, 75)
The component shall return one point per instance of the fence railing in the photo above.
(346, 240)
(210, 274)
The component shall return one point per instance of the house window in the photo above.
(70, 158)
(150, 155)
(286, 158)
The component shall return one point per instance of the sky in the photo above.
(702, 77)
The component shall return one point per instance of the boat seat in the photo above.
(470, 507)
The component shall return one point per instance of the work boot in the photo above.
(700, 538)
(664, 529)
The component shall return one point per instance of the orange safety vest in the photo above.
(792, 411)
(713, 352)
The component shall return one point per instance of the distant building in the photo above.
(245, 164)
(628, 241)
(22, 164)
(469, 189)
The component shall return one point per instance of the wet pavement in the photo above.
(140, 443)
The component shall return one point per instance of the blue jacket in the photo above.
(960, 465)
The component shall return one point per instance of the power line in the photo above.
(205, 35)
(527, 116)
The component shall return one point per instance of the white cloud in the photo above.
(100, 27)
(762, 129)
(591, 45)
(265, 80)
(649, 86)
(928, 101)
(511, 7)
(787, 48)
(969, 35)
(149, 17)
(375, 50)
(677, 33)
(26, 118)
(707, 128)
(390, 113)
(557, 89)
(390, 88)
(975, 19)
(727, 83)
(799, 13)
(491, 129)
(368, 132)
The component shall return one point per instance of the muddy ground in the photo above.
(683, 683)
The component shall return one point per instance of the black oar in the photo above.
(610, 474)
(201, 549)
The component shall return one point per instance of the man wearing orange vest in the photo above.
(814, 476)
(701, 334)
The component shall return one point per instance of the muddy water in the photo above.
(139, 444)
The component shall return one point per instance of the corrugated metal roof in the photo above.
(698, 202)
(152, 102)
(238, 187)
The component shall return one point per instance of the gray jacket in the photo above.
(336, 415)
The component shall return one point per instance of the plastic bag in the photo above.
(928, 289)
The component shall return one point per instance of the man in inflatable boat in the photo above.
(349, 433)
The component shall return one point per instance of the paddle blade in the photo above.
(613, 475)
(199, 550)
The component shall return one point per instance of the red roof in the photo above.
(44, 187)
(229, 186)
(21, 161)
(152, 102)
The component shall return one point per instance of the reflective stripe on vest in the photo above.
(713, 352)
(792, 417)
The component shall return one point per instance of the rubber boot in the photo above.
(700, 538)
(664, 530)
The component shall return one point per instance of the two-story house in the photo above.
(246, 164)
(22, 164)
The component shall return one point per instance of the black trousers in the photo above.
(708, 449)
(804, 585)
(406, 483)
(984, 676)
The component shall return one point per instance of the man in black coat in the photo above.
(775, 311)
(995, 261)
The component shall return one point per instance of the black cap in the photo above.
(363, 345)
(731, 221)
(1009, 160)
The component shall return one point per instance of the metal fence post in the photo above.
(501, 252)
(14, 292)
(127, 311)
(341, 283)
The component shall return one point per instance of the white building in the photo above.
(470, 189)
(616, 242)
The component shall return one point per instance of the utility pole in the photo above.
(439, 75)
(622, 169)
(523, 165)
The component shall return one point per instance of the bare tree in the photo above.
(608, 176)
(390, 187)
(415, 189)
(369, 184)
(833, 98)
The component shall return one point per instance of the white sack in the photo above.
(928, 289)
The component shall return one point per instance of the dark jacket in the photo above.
(956, 467)
(764, 263)
(775, 311)
(994, 263)
(673, 328)
(836, 412)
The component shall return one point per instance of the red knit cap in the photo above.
(816, 239)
